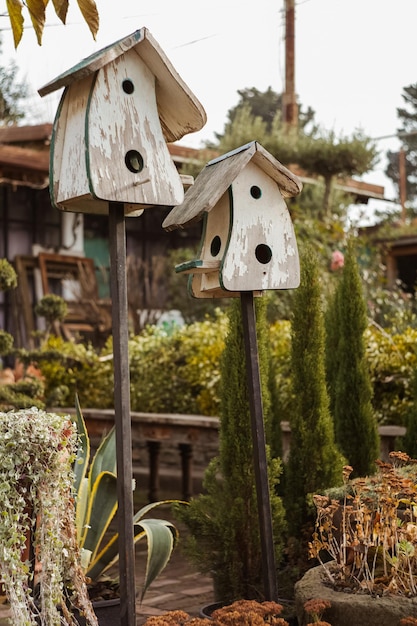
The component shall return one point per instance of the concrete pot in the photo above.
(350, 609)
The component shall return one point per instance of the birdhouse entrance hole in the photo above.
(128, 86)
(134, 161)
(255, 192)
(215, 246)
(263, 253)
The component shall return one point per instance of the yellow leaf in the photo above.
(89, 10)
(61, 9)
(37, 15)
(14, 9)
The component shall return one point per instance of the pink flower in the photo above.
(338, 260)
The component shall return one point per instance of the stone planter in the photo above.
(350, 609)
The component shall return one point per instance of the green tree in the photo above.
(319, 153)
(264, 105)
(324, 154)
(314, 462)
(355, 424)
(224, 522)
(12, 95)
(407, 116)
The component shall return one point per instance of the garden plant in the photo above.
(223, 522)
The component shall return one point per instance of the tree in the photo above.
(223, 522)
(355, 424)
(322, 153)
(265, 105)
(319, 153)
(408, 132)
(12, 93)
(314, 462)
(37, 12)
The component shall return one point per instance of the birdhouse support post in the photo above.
(118, 286)
(259, 450)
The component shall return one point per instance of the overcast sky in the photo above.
(353, 57)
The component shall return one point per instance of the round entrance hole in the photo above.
(263, 253)
(134, 161)
(127, 86)
(255, 192)
(216, 244)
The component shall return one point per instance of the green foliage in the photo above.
(178, 372)
(95, 486)
(52, 307)
(409, 443)
(223, 522)
(314, 462)
(392, 359)
(355, 423)
(22, 395)
(76, 369)
(8, 276)
(6, 342)
(264, 105)
(279, 347)
(12, 95)
(407, 116)
(37, 450)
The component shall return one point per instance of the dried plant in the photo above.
(315, 609)
(371, 534)
(240, 613)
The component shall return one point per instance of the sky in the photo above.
(353, 58)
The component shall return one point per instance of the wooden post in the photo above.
(259, 451)
(118, 286)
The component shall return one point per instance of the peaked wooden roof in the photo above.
(179, 110)
(219, 174)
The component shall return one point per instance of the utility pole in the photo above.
(289, 99)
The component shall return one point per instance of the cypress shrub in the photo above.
(223, 521)
(314, 462)
(355, 424)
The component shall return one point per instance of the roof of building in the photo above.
(24, 160)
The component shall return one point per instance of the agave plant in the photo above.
(96, 506)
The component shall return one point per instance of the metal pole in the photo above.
(118, 286)
(259, 451)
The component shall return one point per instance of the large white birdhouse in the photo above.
(119, 109)
(248, 241)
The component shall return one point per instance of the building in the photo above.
(31, 226)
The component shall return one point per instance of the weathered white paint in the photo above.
(241, 198)
(68, 164)
(261, 221)
(217, 224)
(118, 122)
(101, 118)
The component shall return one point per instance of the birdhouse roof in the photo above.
(179, 110)
(219, 174)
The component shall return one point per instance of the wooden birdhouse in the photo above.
(119, 109)
(248, 241)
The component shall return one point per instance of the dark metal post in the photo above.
(118, 286)
(259, 451)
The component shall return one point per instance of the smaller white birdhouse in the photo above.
(248, 241)
(119, 109)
